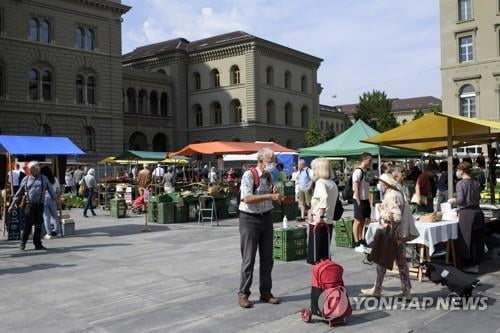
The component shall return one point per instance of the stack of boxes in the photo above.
(289, 206)
(290, 244)
(118, 208)
(343, 233)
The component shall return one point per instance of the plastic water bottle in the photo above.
(285, 222)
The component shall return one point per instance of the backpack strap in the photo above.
(256, 178)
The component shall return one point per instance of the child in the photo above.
(138, 204)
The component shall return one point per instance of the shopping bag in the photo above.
(385, 247)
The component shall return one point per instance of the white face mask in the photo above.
(458, 174)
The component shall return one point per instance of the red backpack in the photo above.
(328, 290)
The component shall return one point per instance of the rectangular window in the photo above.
(464, 10)
(466, 49)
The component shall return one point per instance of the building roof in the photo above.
(182, 44)
(398, 104)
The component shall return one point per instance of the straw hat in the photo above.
(388, 179)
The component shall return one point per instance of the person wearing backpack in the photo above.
(305, 179)
(362, 209)
(257, 194)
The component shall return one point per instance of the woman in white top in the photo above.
(320, 215)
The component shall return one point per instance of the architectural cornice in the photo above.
(221, 53)
(468, 77)
(105, 4)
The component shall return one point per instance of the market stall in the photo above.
(26, 148)
(226, 193)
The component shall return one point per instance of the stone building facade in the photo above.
(60, 71)
(234, 87)
(332, 120)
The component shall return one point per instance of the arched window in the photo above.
(304, 117)
(198, 115)
(89, 39)
(216, 111)
(45, 31)
(269, 76)
(91, 88)
(288, 114)
(164, 105)
(235, 140)
(33, 79)
(142, 101)
(289, 143)
(468, 101)
(160, 142)
(236, 111)
(45, 130)
(303, 84)
(288, 80)
(89, 138)
(270, 112)
(322, 125)
(215, 78)
(405, 121)
(79, 89)
(34, 29)
(337, 127)
(161, 71)
(47, 85)
(271, 140)
(138, 141)
(80, 38)
(197, 81)
(131, 101)
(235, 75)
(153, 103)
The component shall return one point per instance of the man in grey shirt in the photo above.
(256, 227)
(33, 187)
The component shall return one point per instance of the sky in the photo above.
(388, 45)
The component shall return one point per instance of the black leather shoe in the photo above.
(84, 215)
(40, 247)
(22, 246)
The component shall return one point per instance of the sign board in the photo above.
(15, 223)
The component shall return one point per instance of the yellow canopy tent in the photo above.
(438, 131)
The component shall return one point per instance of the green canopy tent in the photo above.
(348, 144)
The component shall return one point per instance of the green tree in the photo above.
(418, 114)
(329, 134)
(313, 135)
(375, 109)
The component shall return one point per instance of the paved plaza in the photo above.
(111, 277)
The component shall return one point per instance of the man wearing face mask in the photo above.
(256, 227)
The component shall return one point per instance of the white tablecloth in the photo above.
(430, 233)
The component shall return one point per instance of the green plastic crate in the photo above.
(290, 210)
(344, 227)
(285, 254)
(166, 213)
(344, 241)
(152, 212)
(181, 214)
(291, 243)
(284, 235)
(118, 208)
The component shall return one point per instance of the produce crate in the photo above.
(285, 235)
(118, 208)
(166, 213)
(343, 233)
(181, 214)
(289, 189)
(152, 212)
(285, 254)
(291, 243)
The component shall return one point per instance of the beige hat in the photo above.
(388, 179)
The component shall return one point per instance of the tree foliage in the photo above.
(375, 109)
(418, 114)
(313, 135)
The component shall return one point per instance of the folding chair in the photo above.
(207, 210)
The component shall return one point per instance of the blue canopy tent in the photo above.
(26, 146)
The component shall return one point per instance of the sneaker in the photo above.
(360, 249)
(371, 292)
(47, 236)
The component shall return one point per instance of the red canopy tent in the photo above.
(229, 147)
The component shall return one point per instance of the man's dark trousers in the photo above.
(35, 217)
(256, 232)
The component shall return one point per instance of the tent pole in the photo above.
(450, 159)
(492, 175)
(379, 162)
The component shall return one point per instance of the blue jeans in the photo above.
(49, 215)
(88, 206)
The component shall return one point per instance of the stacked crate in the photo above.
(152, 208)
(290, 244)
(289, 206)
(165, 213)
(343, 233)
(277, 213)
(118, 208)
